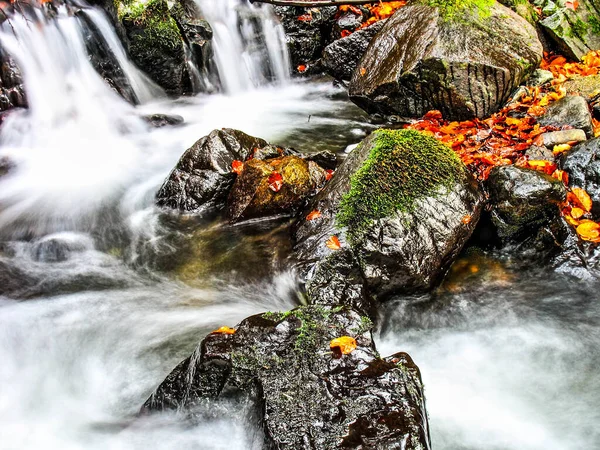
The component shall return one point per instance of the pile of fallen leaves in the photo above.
(377, 12)
(504, 137)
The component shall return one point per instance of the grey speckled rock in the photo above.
(523, 201)
(304, 395)
(571, 110)
(465, 68)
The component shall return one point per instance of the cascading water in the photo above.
(116, 292)
(243, 35)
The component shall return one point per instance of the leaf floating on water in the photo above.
(275, 182)
(224, 330)
(345, 344)
(333, 243)
(237, 167)
(314, 215)
(582, 199)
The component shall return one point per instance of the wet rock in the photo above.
(156, 43)
(202, 179)
(540, 77)
(163, 120)
(305, 395)
(12, 92)
(256, 192)
(402, 206)
(307, 31)
(572, 111)
(539, 153)
(5, 165)
(523, 201)
(582, 163)
(341, 57)
(575, 31)
(553, 138)
(465, 68)
(589, 88)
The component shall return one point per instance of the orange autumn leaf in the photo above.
(314, 215)
(333, 243)
(237, 166)
(302, 68)
(344, 344)
(275, 182)
(573, 5)
(363, 71)
(589, 231)
(582, 199)
(513, 121)
(571, 220)
(329, 174)
(224, 330)
(467, 219)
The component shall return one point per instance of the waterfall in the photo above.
(249, 44)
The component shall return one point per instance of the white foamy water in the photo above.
(249, 44)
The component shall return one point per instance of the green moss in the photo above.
(402, 167)
(160, 30)
(455, 9)
(594, 23)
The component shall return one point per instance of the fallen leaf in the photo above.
(224, 330)
(333, 243)
(329, 174)
(237, 166)
(302, 68)
(345, 344)
(583, 199)
(577, 213)
(557, 149)
(589, 231)
(363, 71)
(314, 215)
(466, 219)
(275, 182)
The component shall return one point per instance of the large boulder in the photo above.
(203, 177)
(305, 393)
(402, 206)
(465, 66)
(341, 57)
(582, 163)
(273, 186)
(576, 30)
(523, 201)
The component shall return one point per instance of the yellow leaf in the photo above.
(583, 199)
(224, 330)
(576, 213)
(561, 148)
(345, 344)
(589, 231)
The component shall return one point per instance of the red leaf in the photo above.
(329, 174)
(314, 215)
(237, 167)
(275, 182)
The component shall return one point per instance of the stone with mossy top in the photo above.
(462, 58)
(402, 206)
(156, 44)
(303, 391)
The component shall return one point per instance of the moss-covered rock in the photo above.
(156, 44)
(304, 394)
(402, 206)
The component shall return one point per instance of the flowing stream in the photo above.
(101, 294)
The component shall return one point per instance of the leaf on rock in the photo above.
(329, 174)
(589, 231)
(237, 167)
(224, 330)
(343, 344)
(582, 199)
(275, 182)
(333, 243)
(314, 215)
